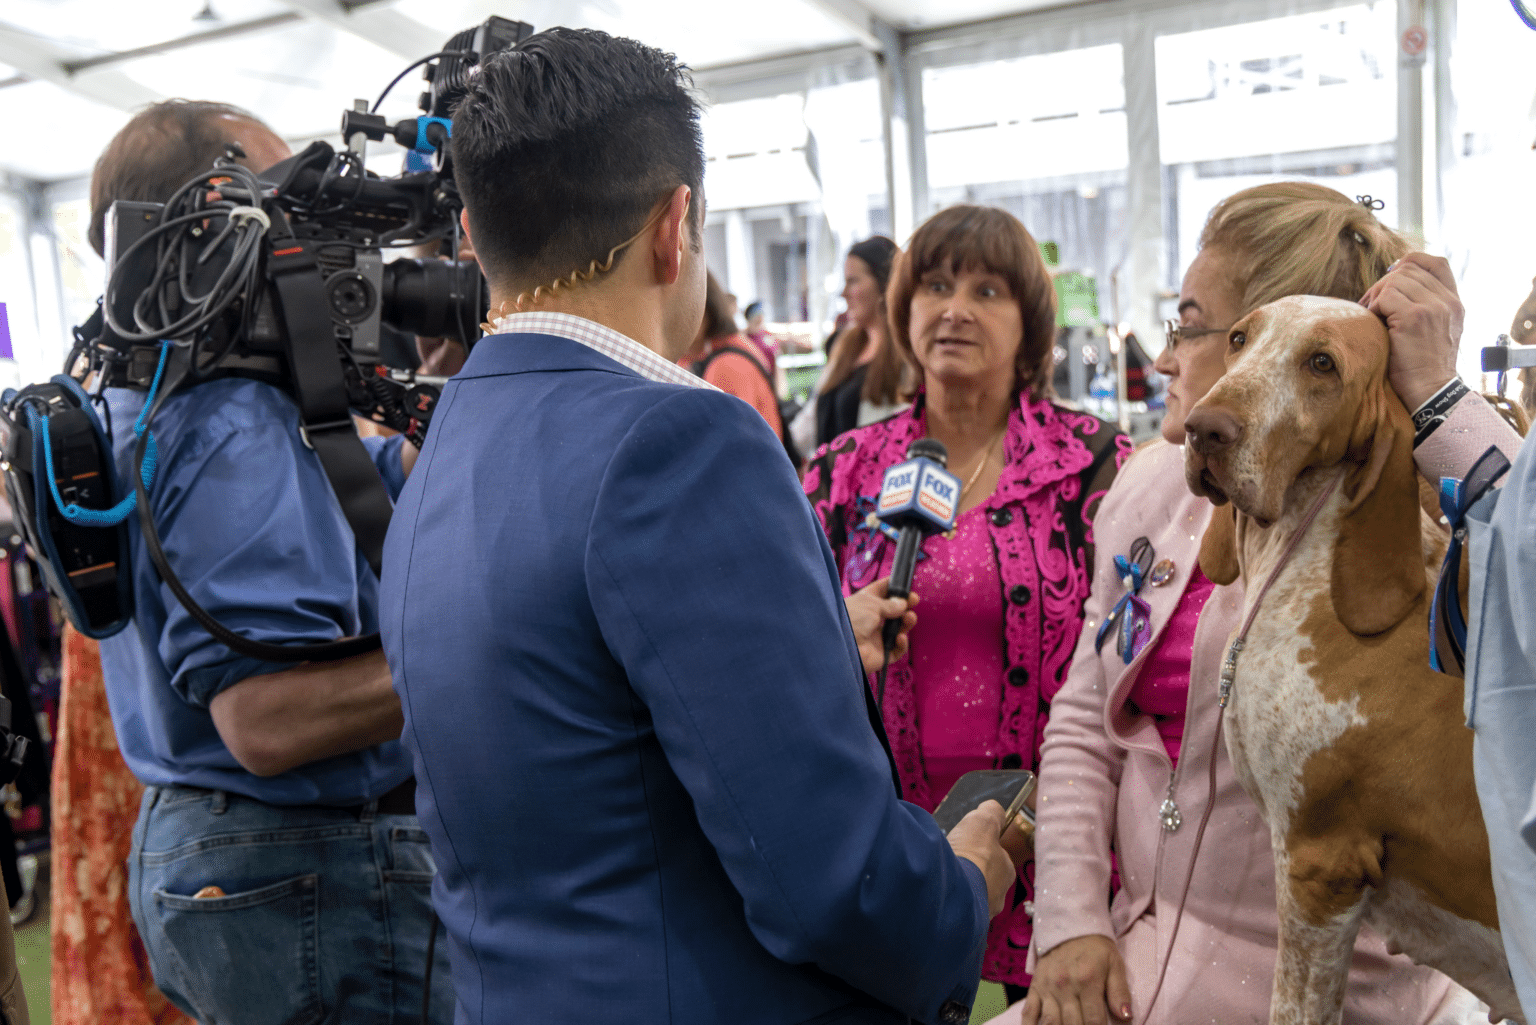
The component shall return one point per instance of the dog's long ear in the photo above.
(1218, 548)
(1378, 562)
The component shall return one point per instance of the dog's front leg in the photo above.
(1318, 924)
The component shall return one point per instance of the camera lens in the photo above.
(351, 296)
(435, 298)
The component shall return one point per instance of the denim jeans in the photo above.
(323, 916)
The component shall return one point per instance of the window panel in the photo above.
(1044, 137)
(1309, 97)
(80, 269)
(15, 290)
(1488, 222)
(791, 182)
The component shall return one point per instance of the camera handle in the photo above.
(321, 391)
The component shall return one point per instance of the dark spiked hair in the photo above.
(565, 144)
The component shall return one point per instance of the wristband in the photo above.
(1433, 412)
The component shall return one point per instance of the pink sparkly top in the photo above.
(957, 654)
(1162, 688)
(1031, 550)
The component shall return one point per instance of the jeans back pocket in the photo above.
(242, 957)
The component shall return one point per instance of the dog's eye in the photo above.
(1322, 363)
(1238, 340)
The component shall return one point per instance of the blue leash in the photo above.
(1447, 625)
(119, 512)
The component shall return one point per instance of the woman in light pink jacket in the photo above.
(1126, 759)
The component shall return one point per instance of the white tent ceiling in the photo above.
(299, 63)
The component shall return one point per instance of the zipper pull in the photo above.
(1168, 812)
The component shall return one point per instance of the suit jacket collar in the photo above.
(605, 339)
(495, 355)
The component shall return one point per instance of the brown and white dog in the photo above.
(1352, 747)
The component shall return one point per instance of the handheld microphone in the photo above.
(918, 497)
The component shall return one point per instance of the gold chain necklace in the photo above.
(985, 455)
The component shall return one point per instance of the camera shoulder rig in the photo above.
(279, 277)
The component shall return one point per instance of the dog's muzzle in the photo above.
(1210, 432)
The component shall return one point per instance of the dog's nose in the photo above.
(1210, 430)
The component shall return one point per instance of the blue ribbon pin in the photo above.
(1131, 617)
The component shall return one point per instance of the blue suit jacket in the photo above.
(638, 718)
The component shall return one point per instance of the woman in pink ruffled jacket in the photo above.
(972, 306)
(1129, 746)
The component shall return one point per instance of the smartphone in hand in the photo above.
(1008, 787)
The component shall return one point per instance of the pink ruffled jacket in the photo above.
(1105, 774)
(1059, 464)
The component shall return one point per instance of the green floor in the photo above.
(990, 1002)
(32, 949)
(32, 955)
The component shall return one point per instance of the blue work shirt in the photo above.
(250, 525)
(1501, 702)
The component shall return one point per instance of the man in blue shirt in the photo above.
(278, 873)
(1501, 698)
(638, 717)
(1453, 428)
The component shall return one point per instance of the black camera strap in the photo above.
(321, 391)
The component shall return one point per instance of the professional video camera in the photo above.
(279, 277)
(324, 219)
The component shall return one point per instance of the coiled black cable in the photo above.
(180, 247)
(322, 652)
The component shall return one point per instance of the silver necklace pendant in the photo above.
(1168, 814)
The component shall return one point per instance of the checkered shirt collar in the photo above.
(617, 347)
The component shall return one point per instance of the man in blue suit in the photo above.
(638, 719)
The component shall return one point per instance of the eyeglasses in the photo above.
(1173, 333)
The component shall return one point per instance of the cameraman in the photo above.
(648, 759)
(277, 872)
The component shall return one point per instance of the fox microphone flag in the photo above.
(918, 497)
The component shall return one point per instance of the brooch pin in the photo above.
(1131, 618)
(866, 554)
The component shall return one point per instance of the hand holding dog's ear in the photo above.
(1417, 298)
